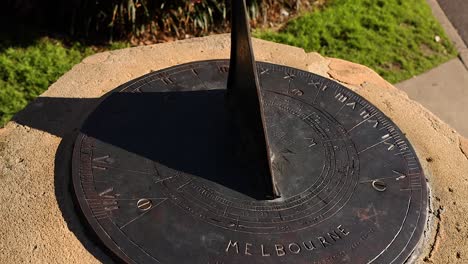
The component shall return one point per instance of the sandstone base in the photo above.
(38, 223)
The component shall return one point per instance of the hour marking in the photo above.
(264, 71)
(362, 122)
(183, 185)
(223, 69)
(390, 146)
(164, 179)
(195, 72)
(314, 84)
(341, 98)
(375, 122)
(376, 144)
(319, 89)
(365, 114)
(106, 193)
(318, 85)
(99, 168)
(311, 142)
(401, 175)
(164, 77)
(352, 105)
(111, 204)
(104, 159)
(289, 76)
(137, 90)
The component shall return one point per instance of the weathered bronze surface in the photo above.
(174, 167)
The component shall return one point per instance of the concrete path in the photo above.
(457, 12)
(444, 89)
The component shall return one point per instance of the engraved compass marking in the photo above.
(396, 235)
(370, 214)
(161, 200)
(264, 71)
(385, 138)
(296, 92)
(367, 117)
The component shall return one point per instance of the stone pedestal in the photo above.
(38, 222)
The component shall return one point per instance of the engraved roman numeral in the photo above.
(289, 76)
(318, 85)
(165, 78)
(390, 146)
(311, 142)
(223, 69)
(401, 175)
(110, 203)
(352, 105)
(137, 90)
(101, 162)
(341, 97)
(374, 122)
(107, 193)
(264, 71)
(365, 114)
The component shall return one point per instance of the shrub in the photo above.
(124, 18)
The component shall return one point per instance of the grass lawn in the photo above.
(396, 38)
(26, 72)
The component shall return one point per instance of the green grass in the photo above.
(396, 38)
(26, 72)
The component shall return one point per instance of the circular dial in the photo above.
(158, 179)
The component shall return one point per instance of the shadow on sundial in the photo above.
(184, 131)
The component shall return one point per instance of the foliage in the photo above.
(27, 72)
(394, 37)
(117, 19)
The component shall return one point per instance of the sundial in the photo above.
(239, 161)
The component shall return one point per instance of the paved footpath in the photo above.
(444, 89)
(457, 13)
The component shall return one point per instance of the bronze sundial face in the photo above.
(175, 168)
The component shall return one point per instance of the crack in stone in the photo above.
(434, 244)
(462, 149)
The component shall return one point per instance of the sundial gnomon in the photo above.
(171, 168)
